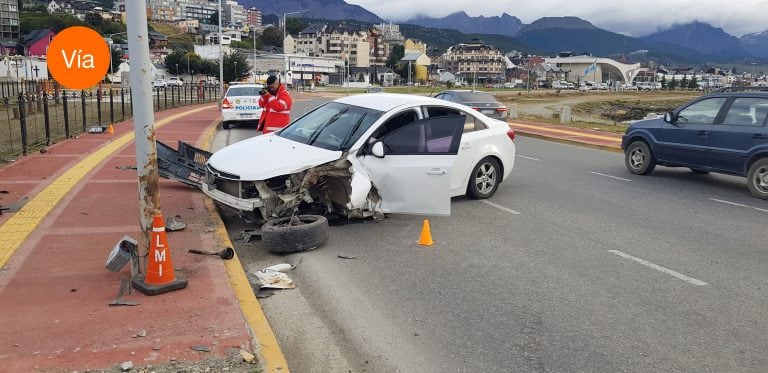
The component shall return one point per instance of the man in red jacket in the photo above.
(276, 102)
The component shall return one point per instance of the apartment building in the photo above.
(253, 17)
(475, 60)
(175, 10)
(343, 41)
(9, 19)
(234, 13)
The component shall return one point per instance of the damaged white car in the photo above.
(365, 155)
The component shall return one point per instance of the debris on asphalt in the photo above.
(174, 223)
(264, 293)
(248, 234)
(126, 366)
(15, 207)
(227, 253)
(272, 279)
(126, 168)
(342, 256)
(4, 192)
(201, 348)
(247, 356)
(282, 267)
(141, 333)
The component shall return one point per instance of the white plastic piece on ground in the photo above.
(271, 279)
(282, 267)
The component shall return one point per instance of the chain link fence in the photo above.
(37, 113)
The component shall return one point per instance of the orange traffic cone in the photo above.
(158, 277)
(110, 128)
(426, 235)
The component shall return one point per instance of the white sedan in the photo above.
(363, 155)
(241, 104)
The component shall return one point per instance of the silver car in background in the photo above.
(478, 100)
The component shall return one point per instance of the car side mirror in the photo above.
(378, 149)
(669, 117)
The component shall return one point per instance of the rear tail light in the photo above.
(476, 108)
(511, 134)
(501, 109)
(226, 104)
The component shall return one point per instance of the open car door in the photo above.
(411, 166)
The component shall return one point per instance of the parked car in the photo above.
(723, 132)
(363, 155)
(480, 101)
(175, 81)
(241, 104)
(159, 83)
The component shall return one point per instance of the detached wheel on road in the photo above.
(484, 179)
(639, 159)
(225, 125)
(757, 178)
(299, 233)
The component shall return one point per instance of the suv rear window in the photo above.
(243, 91)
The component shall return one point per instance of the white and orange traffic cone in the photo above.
(158, 277)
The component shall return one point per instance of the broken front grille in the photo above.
(222, 181)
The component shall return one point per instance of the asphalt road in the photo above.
(574, 265)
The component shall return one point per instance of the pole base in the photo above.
(152, 289)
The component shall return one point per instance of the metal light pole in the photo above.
(221, 59)
(143, 117)
(285, 14)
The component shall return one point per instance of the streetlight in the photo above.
(111, 69)
(235, 70)
(221, 58)
(285, 14)
(177, 69)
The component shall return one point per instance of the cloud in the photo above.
(635, 18)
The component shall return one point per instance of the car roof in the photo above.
(388, 101)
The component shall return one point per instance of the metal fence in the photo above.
(35, 114)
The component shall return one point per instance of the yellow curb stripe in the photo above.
(554, 130)
(269, 348)
(18, 227)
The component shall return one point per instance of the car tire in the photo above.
(225, 125)
(484, 179)
(699, 172)
(757, 178)
(639, 159)
(280, 236)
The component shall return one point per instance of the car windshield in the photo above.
(333, 126)
(243, 91)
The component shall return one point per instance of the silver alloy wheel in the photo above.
(485, 178)
(761, 179)
(637, 158)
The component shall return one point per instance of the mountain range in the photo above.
(694, 42)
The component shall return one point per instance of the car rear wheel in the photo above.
(484, 179)
(757, 178)
(639, 159)
(225, 125)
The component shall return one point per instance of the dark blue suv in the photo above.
(722, 132)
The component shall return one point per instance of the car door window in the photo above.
(395, 122)
(471, 123)
(701, 112)
(747, 111)
(438, 135)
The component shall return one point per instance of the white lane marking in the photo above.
(533, 159)
(612, 177)
(659, 268)
(500, 207)
(738, 204)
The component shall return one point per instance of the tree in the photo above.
(94, 19)
(694, 83)
(672, 84)
(214, 19)
(175, 60)
(295, 25)
(235, 65)
(684, 82)
(664, 82)
(395, 55)
(271, 36)
(117, 57)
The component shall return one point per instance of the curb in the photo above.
(269, 351)
(570, 142)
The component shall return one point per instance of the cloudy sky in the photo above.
(633, 18)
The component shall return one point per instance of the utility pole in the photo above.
(221, 58)
(143, 117)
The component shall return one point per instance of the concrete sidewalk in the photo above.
(54, 288)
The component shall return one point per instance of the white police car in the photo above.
(241, 104)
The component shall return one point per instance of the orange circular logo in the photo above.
(78, 57)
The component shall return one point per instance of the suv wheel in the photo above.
(639, 159)
(757, 178)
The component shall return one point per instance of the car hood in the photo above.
(267, 156)
(646, 123)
